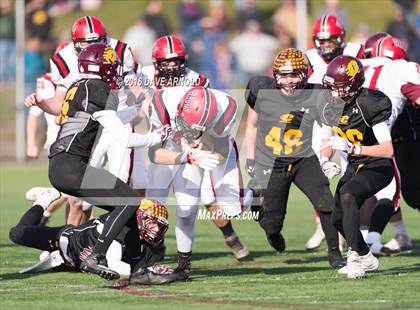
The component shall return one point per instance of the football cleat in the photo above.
(45, 196)
(401, 243)
(369, 263)
(33, 193)
(47, 261)
(238, 249)
(97, 264)
(277, 242)
(184, 263)
(148, 277)
(335, 258)
(354, 265)
(315, 241)
(384, 251)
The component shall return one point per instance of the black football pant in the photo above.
(307, 175)
(407, 156)
(72, 175)
(352, 190)
(27, 231)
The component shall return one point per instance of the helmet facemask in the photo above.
(288, 88)
(190, 133)
(152, 221)
(344, 91)
(82, 43)
(333, 49)
(171, 71)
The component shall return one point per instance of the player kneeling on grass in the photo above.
(70, 245)
(281, 115)
(363, 134)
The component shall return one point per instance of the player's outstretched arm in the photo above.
(32, 150)
(50, 106)
(250, 138)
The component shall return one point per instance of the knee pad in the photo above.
(16, 233)
(186, 211)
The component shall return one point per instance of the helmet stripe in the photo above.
(377, 52)
(324, 23)
(170, 44)
(90, 24)
(207, 107)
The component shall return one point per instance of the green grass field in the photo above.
(297, 279)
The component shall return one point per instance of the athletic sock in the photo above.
(227, 230)
(364, 233)
(381, 215)
(373, 239)
(398, 228)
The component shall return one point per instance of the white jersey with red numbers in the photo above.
(45, 88)
(318, 66)
(389, 76)
(65, 71)
(190, 79)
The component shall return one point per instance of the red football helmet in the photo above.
(328, 36)
(87, 29)
(389, 47)
(196, 112)
(152, 221)
(168, 49)
(371, 42)
(344, 76)
(99, 59)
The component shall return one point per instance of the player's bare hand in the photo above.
(32, 151)
(32, 99)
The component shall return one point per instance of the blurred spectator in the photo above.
(89, 5)
(253, 51)
(214, 30)
(155, 19)
(407, 7)
(398, 27)
(414, 50)
(189, 15)
(61, 7)
(248, 11)
(141, 39)
(34, 63)
(285, 19)
(38, 22)
(7, 41)
(222, 66)
(333, 7)
(361, 35)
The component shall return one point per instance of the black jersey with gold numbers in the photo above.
(369, 108)
(78, 130)
(285, 123)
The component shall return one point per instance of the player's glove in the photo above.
(341, 144)
(203, 159)
(250, 167)
(330, 169)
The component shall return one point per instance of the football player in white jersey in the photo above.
(387, 70)
(65, 71)
(192, 153)
(170, 69)
(328, 36)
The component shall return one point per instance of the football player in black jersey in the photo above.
(74, 244)
(281, 115)
(89, 103)
(363, 134)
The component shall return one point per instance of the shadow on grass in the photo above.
(229, 272)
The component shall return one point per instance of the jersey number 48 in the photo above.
(288, 143)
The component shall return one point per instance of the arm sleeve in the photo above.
(251, 93)
(109, 120)
(381, 132)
